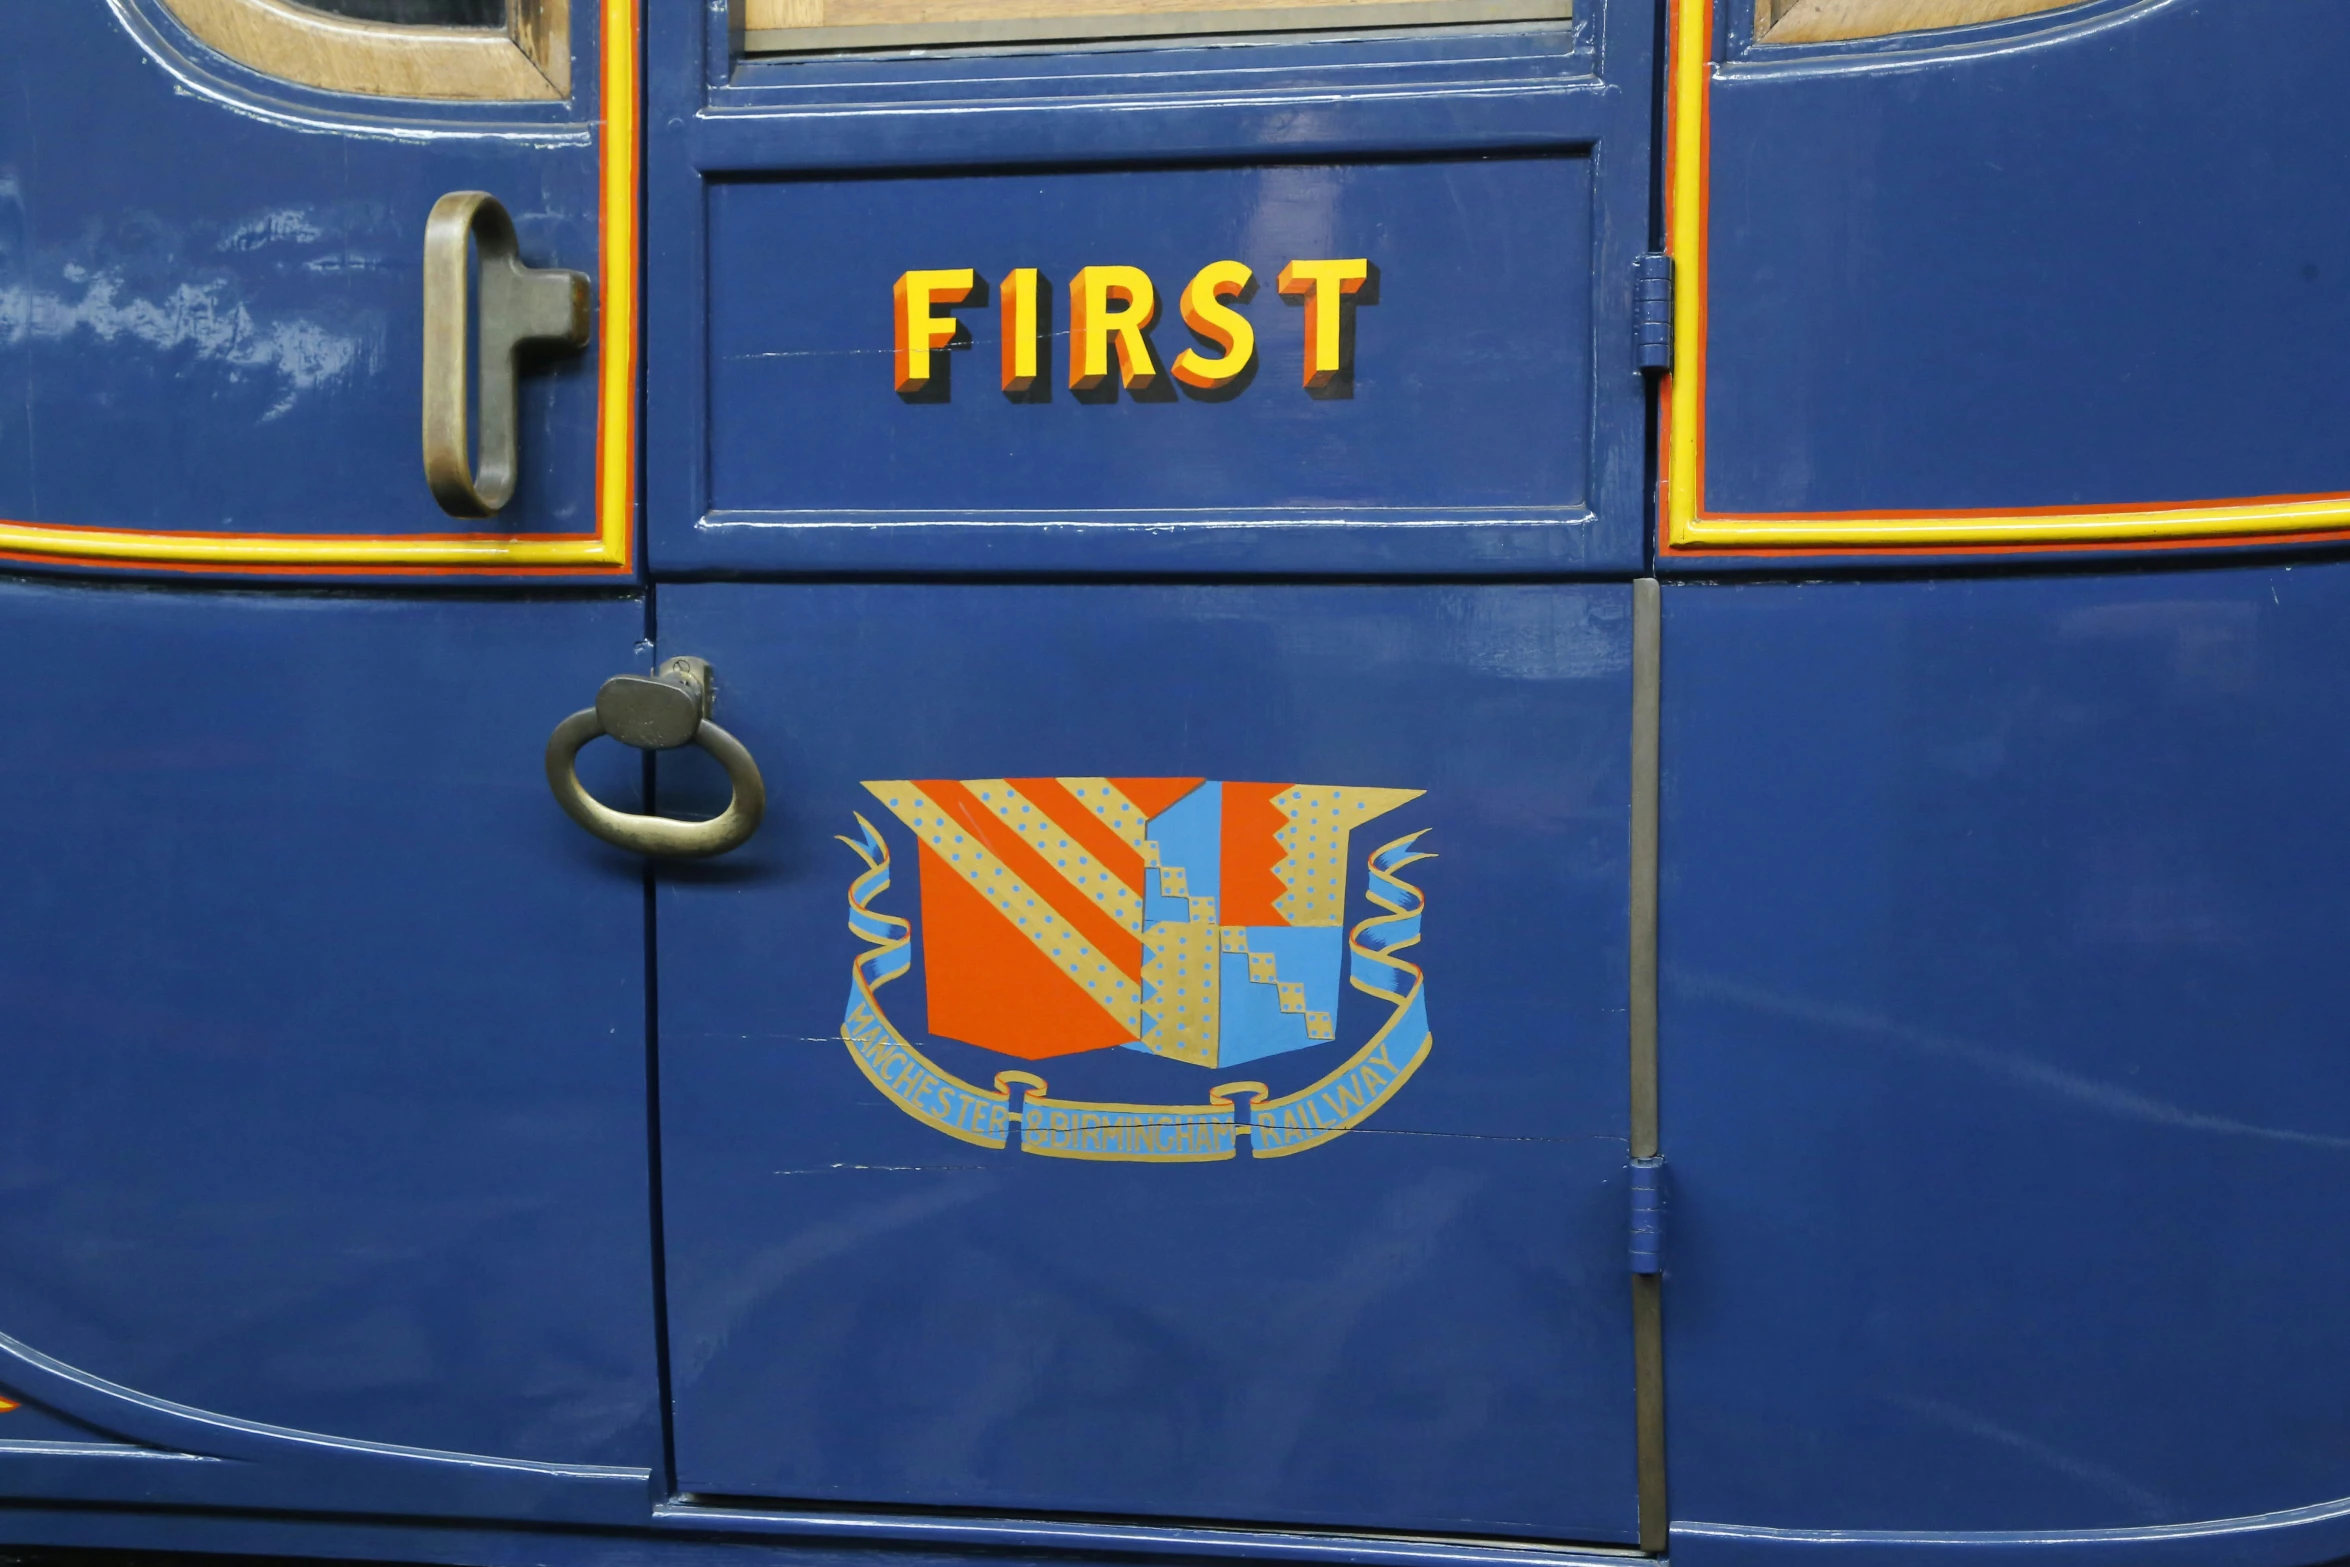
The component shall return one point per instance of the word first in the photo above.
(1110, 310)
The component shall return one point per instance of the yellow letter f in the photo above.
(919, 333)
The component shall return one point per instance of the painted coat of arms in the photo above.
(1192, 919)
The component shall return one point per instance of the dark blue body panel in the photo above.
(2004, 1077)
(1423, 1325)
(325, 1101)
(211, 292)
(2086, 265)
(326, 1165)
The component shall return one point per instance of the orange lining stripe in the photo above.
(1121, 946)
(607, 551)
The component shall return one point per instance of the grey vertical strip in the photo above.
(1648, 1403)
(1646, 649)
(1648, 1323)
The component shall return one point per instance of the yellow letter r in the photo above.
(1111, 305)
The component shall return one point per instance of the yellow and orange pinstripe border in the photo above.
(605, 551)
(1687, 527)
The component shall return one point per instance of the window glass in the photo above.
(1820, 21)
(516, 50)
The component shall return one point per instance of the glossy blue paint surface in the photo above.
(2003, 1086)
(210, 287)
(1498, 178)
(710, 1537)
(2080, 263)
(325, 1091)
(1423, 1325)
(1480, 308)
(325, 1173)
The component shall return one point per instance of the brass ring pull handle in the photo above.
(657, 712)
(520, 307)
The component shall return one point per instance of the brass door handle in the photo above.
(657, 712)
(519, 307)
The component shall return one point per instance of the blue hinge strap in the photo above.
(1648, 1216)
(1652, 312)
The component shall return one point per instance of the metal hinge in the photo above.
(1648, 1216)
(1652, 312)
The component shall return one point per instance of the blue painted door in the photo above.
(1398, 1299)
(324, 1034)
(1165, 1055)
(2000, 1014)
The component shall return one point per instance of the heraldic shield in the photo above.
(1194, 920)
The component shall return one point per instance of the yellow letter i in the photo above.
(1020, 345)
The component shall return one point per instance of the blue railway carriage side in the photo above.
(1706, 927)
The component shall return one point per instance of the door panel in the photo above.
(325, 1031)
(2002, 1010)
(1165, 1193)
(1421, 1323)
(1998, 997)
(1493, 181)
(1443, 384)
(326, 1080)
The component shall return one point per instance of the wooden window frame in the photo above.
(1828, 21)
(529, 60)
(770, 27)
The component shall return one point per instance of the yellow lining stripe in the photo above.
(1691, 42)
(616, 408)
